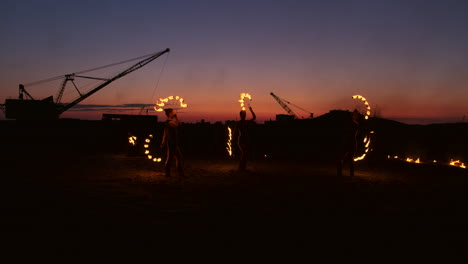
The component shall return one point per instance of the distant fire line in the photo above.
(455, 163)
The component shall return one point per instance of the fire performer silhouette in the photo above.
(348, 143)
(170, 141)
(242, 135)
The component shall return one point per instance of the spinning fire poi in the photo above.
(366, 104)
(244, 101)
(132, 140)
(229, 142)
(366, 140)
(148, 151)
(173, 102)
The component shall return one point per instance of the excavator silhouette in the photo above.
(47, 109)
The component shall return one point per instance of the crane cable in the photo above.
(89, 70)
(295, 106)
(157, 82)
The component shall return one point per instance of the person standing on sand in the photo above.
(242, 135)
(170, 141)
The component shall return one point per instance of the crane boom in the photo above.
(284, 105)
(133, 68)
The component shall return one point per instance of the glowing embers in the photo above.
(366, 104)
(229, 142)
(147, 149)
(242, 100)
(457, 163)
(174, 102)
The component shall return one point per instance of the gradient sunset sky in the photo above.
(409, 58)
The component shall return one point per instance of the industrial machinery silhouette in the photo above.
(291, 114)
(32, 109)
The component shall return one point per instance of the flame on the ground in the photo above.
(411, 160)
(163, 103)
(229, 146)
(455, 163)
(242, 101)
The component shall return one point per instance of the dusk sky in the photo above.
(408, 58)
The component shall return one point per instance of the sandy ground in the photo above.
(105, 206)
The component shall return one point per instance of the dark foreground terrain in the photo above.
(75, 199)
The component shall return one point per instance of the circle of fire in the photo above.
(148, 152)
(366, 140)
(132, 141)
(364, 101)
(242, 100)
(168, 102)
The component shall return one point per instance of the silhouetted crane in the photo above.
(31, 108)
(285, 106)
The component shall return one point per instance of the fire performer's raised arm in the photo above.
(253, 114)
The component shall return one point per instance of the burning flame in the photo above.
(147, 151)
(360, 157)
(367, 138)
(457, 163)
(132, 140)
(242, 96)
(367, 142)
(229, 146)
(163, 103)
(363, 99)
(411, 160)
